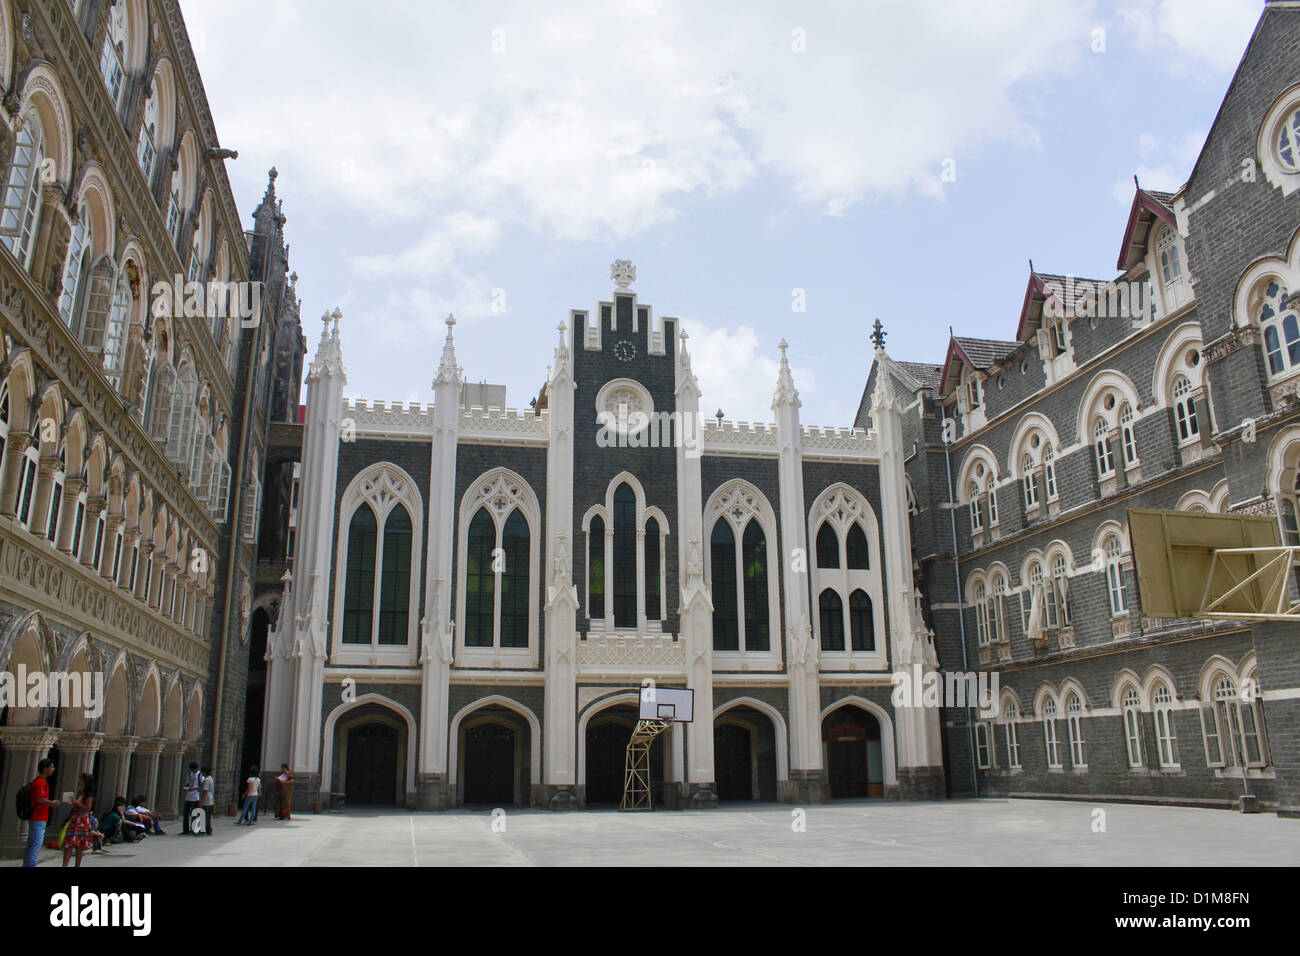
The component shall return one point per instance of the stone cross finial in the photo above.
(622, 272)
(561, 328)
(878, 334)
(451, 320)
(783, 345)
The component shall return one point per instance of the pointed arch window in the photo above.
(743, 582)
(1128, 438)
(21, 206)
(1074, 722)
(1101, 446)
(1133, 728)
(596, 568)
(497, 597)
(998, 607)
(1049, 735)
(76, 266)
(726, 602)
(976, 513)
(625, 556)
(1029, 481)
(376, 601)
(654, 571)
(1280, 323)
(847, 580)
(980, 597)
(1011, 714)
(626, 548)
(1185, 411)
(1162, 702)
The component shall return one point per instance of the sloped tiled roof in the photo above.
(985, 352)
(925, 373)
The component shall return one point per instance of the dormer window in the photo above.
(973, 397)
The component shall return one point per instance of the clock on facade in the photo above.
(624, 350)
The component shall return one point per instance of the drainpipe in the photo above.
(234, 531)
(961, 615)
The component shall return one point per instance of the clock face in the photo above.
(624, 351)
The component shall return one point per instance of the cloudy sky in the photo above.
(899, 160)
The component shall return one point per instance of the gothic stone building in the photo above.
(478, 594)
(1025, 456)
(132, 434)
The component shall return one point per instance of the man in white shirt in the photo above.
(207, 787)
(193, 793)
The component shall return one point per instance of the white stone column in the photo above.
(696, 614)
(436, 630)
(560, 777)
(301, 660)
(803, 656)
(920, 758)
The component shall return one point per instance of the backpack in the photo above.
(23, 802)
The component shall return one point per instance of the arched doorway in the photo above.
(494, 757)
(372, 757)
(608, 733)
(854, 761)
(744, 755)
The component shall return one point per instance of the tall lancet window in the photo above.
(624, 557)
(376, 597)
(847, 579)
(743, 582)
(497, 596)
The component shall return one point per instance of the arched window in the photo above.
(56, 498)
(1128, 438)
(27, 470)
(1049, 734)
(982, 628)
(1166, 740)
(992, 493)
(146, 147)
(998, 607)
(1288, 141)
(1234, 728)
(1101, 445)
(480, 581)
(726, 607)
(862, 626)
(174, 201)
(757, 633)
(1049, 472)
(97, 308)
(1011, 714)
(515, 581)
(856, 547)
(1185, 410)
(4, 426)
(113, 57)
(1171, 268)
(184, 412)
(976, 513)
(498, 554)
(1061, 589)
(1074, 720)
(1133, 727)
(847, 578)
(75, 269)
(596, 569)
(198, 248)
(21, 208)
(1281, 326)
(162, 390)
(359, 590)
(1115, 576)
(653, 571)
(625, 557)
(828, 547)
(395, 577)
(1029, 481)
(115, 332)
(831, 610)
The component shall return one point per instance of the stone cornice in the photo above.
(119, 745)
(80, 742)
(35, 574)
(32, 324)
(28, 738)
(148, 746)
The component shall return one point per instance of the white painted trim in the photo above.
(762, 510)
(844, 581)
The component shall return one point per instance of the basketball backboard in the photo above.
(667, 703)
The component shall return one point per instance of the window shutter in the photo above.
(1203, 422)
(1210, 731)
(221, 504)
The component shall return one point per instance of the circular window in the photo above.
(1035, 442)
(1109, 402)
(979, 471)
(1193, 357)
(624, 406)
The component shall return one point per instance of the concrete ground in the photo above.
(855, 833)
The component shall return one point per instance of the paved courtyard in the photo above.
(867, 833)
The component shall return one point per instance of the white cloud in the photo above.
(436, 250)
(1208, 31)
(1165, 167)
(737, 372)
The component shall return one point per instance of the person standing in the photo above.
(207, 787)
(252, 790)
(193, 791)
(41, 804)
(284, 792)
(80, 833)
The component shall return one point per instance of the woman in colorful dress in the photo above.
(284, 792)
(80, 833)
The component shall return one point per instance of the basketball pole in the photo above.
(636, 776)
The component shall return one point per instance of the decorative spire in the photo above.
(623, 273)
(785, 390)
(449, 372)
(329, 354)
(685, 376)
(878, 334)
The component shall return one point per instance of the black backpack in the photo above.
(23, 801)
